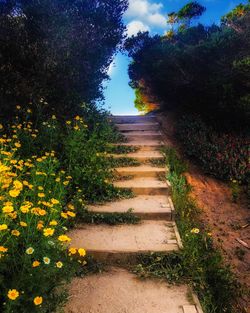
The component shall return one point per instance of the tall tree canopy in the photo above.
(56, 51)
(199, 69)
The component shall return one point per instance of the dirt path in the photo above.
(119, 291)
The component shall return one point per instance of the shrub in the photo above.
(222, 155)
(48, 167)
(34, 260)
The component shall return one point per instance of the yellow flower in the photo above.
(53, 117)
(14, 193)
(40, 225)
(8, 209)
(18, 107)
(18, 145)
(54, 201)
(3, 249)
(71, 207)
(53, 223)
(15, 232)
(36, 264)
(48, 232)
(82, 252)
(23, 224)
(64, 215)
(41, 195)
(66, 182)
(64, 238)
(46, 260)
(30, 250)
(1, 126)
(18, 185)
(40, 188)
(59, 264)
(42, 212)
(25, 208)
(58, 179)
(68, 122)
(13, 215)
(71, 214)
(3, 227)
(195, 231)
(38, 300)
(72, 251)
(29, 111)
(13, 294)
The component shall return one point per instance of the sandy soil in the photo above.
(225, 218)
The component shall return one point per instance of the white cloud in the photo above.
(137, 8)
(157, 19)
(146, 13)
(135, 27)
(111, 68)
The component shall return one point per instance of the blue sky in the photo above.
(150, 15)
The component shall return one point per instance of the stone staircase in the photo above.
(118, 291)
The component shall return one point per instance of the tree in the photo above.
(57, 51)
(186, 14)
(199, 69)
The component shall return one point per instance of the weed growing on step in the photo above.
(92, 266)
(88, 217)
(200, 263)
(123, 162)
(120, 149)
(159, 265)
(118, 177)
(157, 162)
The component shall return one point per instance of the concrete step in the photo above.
(141, 171)
(119, 291)
(141, 146)
(145, 207)
(141, 155)
(122, 243)
(133, 119)
(138, 127)
(145, 186)
(143, 135)
(144, 142)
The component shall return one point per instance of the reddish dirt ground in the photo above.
(227, 220)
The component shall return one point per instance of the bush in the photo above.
(34, 260)
(48, 168)
(222, 155)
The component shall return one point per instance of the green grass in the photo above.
(120, 149)
(115, 218)
(157, 162)
(199, 263)
(124, 162)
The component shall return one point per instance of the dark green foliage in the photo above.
(120, 149)
(123, 162)
(56, 52)
(223, 155)
(85, 216)
(198, 69)
(158, 265)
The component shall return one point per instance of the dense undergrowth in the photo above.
(199, 263)
(49, 170)
(223, 155)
